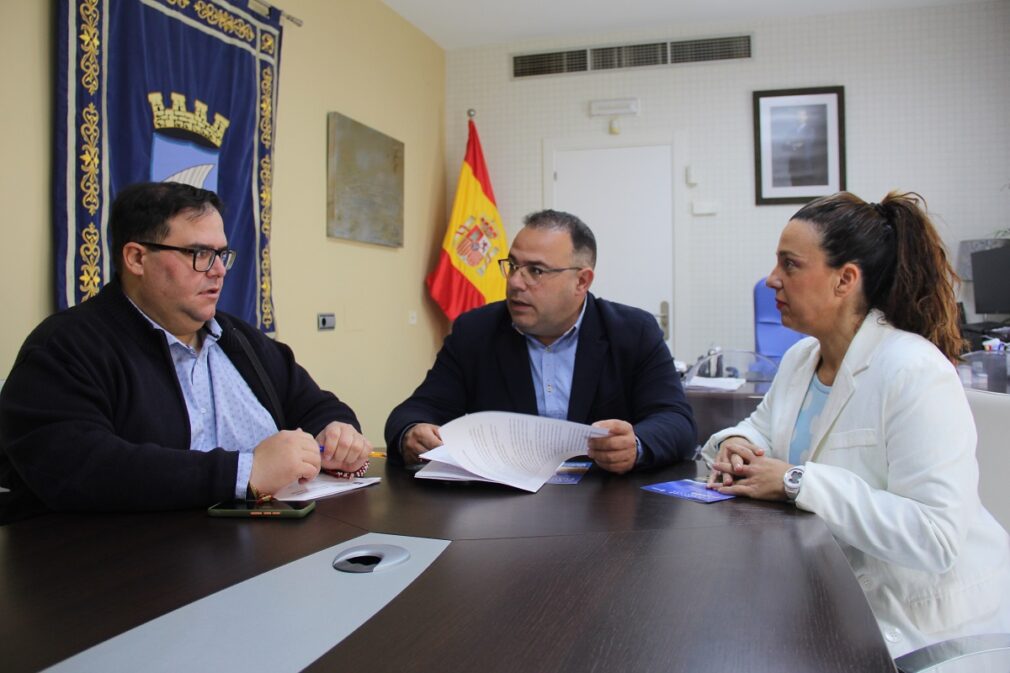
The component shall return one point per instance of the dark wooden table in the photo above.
(599, 576)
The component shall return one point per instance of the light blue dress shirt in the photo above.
(223, 410)
(552, 368)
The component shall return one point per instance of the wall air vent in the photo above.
(549, 64)
(631, 56)
(715, 49)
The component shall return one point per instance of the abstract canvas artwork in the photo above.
(364, 183)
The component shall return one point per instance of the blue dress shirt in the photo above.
(552, 368)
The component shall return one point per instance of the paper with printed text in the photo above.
(518, 450)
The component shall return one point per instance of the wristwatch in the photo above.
(791, 481)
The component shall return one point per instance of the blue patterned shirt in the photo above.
(223, 410)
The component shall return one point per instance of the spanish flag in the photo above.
(467, 274)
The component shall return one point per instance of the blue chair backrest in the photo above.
(771, 338)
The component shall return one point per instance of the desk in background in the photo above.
(985, 370)
(716, 410)
(597, 576)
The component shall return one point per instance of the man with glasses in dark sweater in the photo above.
(147, 397)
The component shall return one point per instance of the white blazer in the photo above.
(893, 474)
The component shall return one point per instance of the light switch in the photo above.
(325, 321)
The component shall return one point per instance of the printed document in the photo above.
(323, 486)
(517, 450)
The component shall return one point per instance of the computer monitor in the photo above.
(990, 271)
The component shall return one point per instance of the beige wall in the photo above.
(361, 59)
(356, 57)
(25, 250)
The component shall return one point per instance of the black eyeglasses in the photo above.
(203, 258)
(532, 274)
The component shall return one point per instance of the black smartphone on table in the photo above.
(271, 509)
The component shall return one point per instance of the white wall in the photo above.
(927, 105)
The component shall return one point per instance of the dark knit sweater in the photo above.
(92, 416)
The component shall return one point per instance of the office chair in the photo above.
(989, 653)
(990, 411)
(771, 338)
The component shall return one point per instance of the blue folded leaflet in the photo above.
(689, 490)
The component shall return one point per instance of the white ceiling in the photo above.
(455, 24)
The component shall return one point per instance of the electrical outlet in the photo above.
(411, 317)
(325, 321)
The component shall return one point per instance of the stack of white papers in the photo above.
(715, 383)
(513, 449)
(323, 486)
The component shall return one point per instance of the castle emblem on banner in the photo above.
(185, 146)
(475, 243)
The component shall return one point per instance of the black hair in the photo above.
(905, 269)
(141, 211)
(583, 241)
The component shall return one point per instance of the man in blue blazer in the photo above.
(553, 349)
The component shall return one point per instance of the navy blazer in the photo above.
(623, 370)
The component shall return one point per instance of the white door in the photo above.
(625, 195)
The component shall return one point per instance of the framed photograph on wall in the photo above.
(799, 144)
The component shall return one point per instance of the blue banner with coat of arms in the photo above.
(158, 90)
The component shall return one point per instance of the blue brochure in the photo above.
(688, 489)
(570, 472)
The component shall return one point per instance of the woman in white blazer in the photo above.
(866, 424)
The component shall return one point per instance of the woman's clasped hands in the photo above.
(741, 468)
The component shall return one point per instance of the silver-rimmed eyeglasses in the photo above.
(531, 274)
